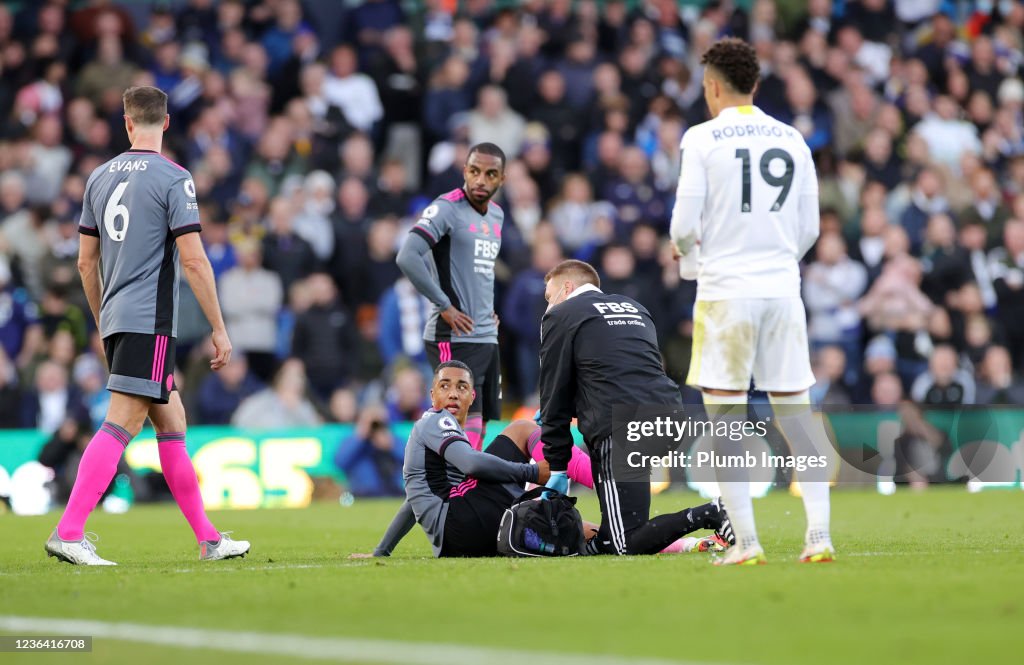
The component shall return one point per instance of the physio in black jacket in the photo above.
(598, 350)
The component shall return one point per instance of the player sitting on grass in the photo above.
(458, 495)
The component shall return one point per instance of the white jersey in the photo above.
(748, 193)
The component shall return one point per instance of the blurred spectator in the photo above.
(946, 266)
(371, 458)
(343, 406)
(402, 315)
(56, 314)
(831, 287)
(446, 97)
(633, 194)
(552, 109)
(109, 71)
(493, 121)
(63, 452)
(221, 392)
(10, 394)
(886, 390)
(945, 383)
(277, 39)
(351, 223)
(575, 213)
(20, 332)
(312, 223)
(1008, 282)
(284, 252)
(926, 199)
(52, 400)
(829, 372)
(282, 405)
(399, 81)
(521, 312)
(251, 297)
(806, 112)
(986, 207)
(90, 377)
(276, 157)
(393, 196)
(351, 91)
(218, 249)
(367, 23)
(325, 338)
(378, 270)
(997, 382)
(406, 398)
(947, 136)
(49, 161)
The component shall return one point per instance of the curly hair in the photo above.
(736, 61)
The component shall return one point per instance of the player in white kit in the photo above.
(746, 211)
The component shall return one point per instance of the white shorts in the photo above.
(761, 337)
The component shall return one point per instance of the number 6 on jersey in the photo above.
(113, 210)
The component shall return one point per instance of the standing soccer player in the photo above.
(460, 232)
(140, 212)
(746, 212)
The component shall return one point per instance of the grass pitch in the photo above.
(934, 577)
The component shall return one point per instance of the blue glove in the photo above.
(536, 419)
(559, 482)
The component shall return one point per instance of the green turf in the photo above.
(932, 577)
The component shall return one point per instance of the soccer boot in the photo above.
(721, 523)
(818, 553)
(225, 548)
(710, 543)
(77, 552)
(734, 556)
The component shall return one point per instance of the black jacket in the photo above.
(597, 350)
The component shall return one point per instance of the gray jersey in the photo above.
(464, 245)
(438, 458)
(137, 204)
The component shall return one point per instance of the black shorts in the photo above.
(475, 508)
(141, 365)
(484, 361)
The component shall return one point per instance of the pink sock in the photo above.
(675, 548)
(579, 464)
(181, 478)
(475, 431)
(95, 471)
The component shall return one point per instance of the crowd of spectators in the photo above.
(314, 146)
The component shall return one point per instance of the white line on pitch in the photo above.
(338, 649)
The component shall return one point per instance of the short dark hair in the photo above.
(457, 364)
(577, 270)
(736, 62)
(145, 105)
(488, 149)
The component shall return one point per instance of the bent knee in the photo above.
(519, 431)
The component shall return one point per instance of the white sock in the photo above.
(733, 483)
(807, 437)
